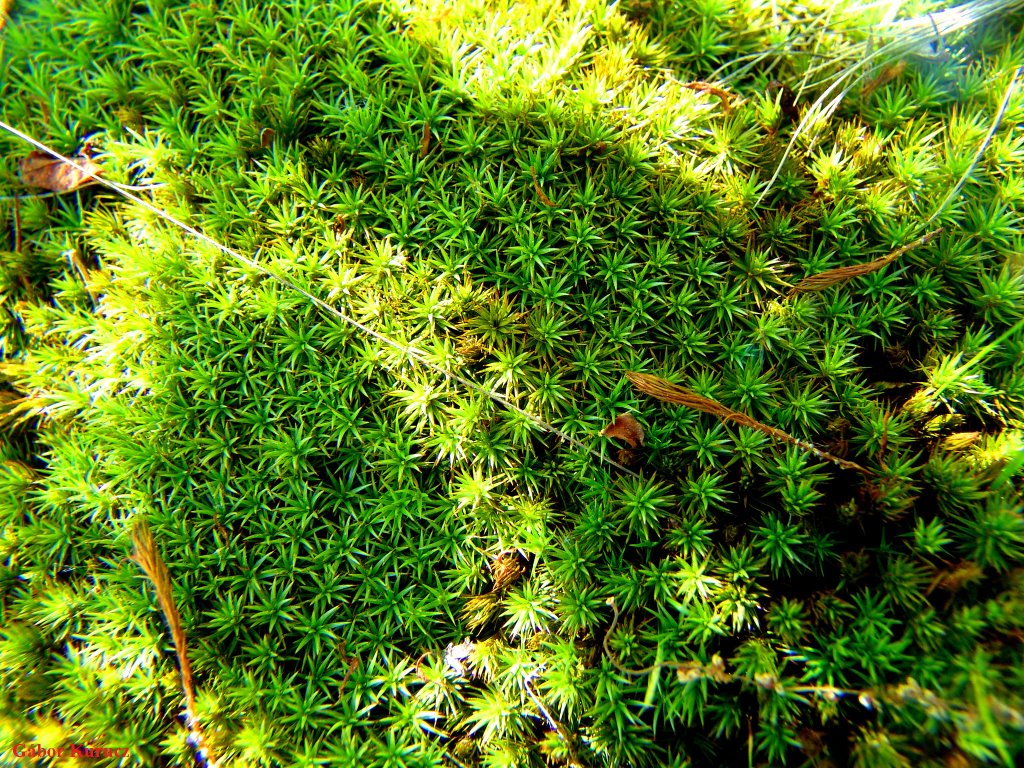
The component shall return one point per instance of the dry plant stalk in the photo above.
(148, 557)
(830, 277)
(537, 188)
(425, 140)
(702, 87)
(670, 393)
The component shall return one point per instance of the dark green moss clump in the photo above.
(378, 565)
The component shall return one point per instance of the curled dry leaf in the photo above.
(625, 427)
(42, 170)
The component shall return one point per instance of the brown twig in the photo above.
(148, 558)
(714, 90)
(557, 727)
(537, 188)
(670, 393)
(83, 273)
(830, 277)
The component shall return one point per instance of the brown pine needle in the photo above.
(670, 393)
(148, 557)
(830, 277)
(537, 188)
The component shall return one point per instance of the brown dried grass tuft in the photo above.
(148, 558)
(830, 277)
(670, 393)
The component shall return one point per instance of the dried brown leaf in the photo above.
(787, 100)
(42, 170)
(627, 428)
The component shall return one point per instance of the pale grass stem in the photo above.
(981, 149)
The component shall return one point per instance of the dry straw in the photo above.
(670, 393)
(830, 277)
(148, 557)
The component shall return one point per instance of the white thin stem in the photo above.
(981, 149)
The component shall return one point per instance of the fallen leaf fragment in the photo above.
(627, 428)
(42, 170)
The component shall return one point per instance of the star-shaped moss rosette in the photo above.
(400, 541)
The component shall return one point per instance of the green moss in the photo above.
(379, 565)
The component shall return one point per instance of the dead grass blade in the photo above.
(148, 558)
(830, 277)
(537, 188)
(425, 140)
(670, 393)
(997, 120)
(887, 74)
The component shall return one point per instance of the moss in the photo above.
(381, 552)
